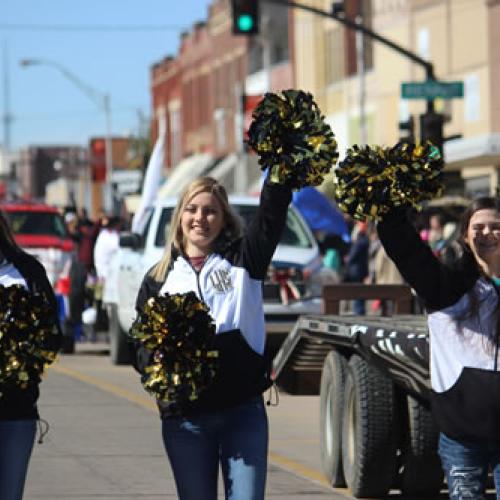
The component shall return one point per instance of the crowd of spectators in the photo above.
(95, 241)
(364, 260)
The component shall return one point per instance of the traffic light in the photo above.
(245, 17)
(407, 130)
(98, 159)
(431, 129)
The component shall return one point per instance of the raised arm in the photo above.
(264, 231)
(439, 286)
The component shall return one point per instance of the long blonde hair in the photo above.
(175, 239)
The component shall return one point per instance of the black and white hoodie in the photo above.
(463, 318)
(230, 283)
(19, 268)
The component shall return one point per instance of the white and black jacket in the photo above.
(17, 403)
(230, 283)
(463, 319)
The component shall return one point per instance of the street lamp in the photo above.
(102, 101)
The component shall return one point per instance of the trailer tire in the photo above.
(368, 438)
(421, 473)
(333, 376)
(119, 347)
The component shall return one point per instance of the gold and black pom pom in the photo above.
(28, 337)
(179, 332)
(292, 139)
(372, 180)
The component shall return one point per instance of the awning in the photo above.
(224, 167)
(186, 171)
(474, 151)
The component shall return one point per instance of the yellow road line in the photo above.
(275, 458)
(297, 468)
(105, 386)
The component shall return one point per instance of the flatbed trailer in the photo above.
(372, 375)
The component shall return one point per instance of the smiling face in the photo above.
(201, 221)
(483, 238)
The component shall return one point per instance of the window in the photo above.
(334, 56)
(294, 233)
(36, 223)
(340, 44)
(163, 226)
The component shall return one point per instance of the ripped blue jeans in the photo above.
(236, 438)
(466, 465)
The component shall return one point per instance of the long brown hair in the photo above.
(175, 238)
(481, 203)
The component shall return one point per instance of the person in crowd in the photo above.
(435, 236)
(206, 254)
(18, 407)
(463, 308)
(356, 263)
(88, 232)
(333, 248)
(106, 245)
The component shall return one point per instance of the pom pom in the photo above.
(292, 139)
(28, 337)
(180, 333)
(372, 180)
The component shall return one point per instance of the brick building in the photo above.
(200, 89)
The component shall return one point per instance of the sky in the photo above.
(46, 106)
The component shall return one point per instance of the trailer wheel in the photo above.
(368, 437)
(119, 347)
(420, 473)
(332, 387)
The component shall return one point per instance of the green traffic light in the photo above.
(245, 22)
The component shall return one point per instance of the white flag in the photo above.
(152, 178)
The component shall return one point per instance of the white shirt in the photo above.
(106, 245)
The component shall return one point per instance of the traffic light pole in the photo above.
(352, 24)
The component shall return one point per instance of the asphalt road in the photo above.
(104, 441)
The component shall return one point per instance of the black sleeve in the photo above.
(264, 231)
(438, 285)
(149, 288)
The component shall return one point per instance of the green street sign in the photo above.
(432, 89)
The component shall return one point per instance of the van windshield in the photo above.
(294, 234)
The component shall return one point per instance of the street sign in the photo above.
(432, 89)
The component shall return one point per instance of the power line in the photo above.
(102, 27)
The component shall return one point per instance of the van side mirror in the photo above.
(131, 240)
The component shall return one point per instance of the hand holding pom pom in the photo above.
(292, 139)
(179, 332)
(372, 180)
(27, 337)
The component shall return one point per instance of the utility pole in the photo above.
(7, 117)
(102, 101)
(360, 61)
(241, 176)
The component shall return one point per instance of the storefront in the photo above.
(477, 160)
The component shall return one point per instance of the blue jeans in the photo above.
(237, 438)
(466, 465)
(16, 443)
